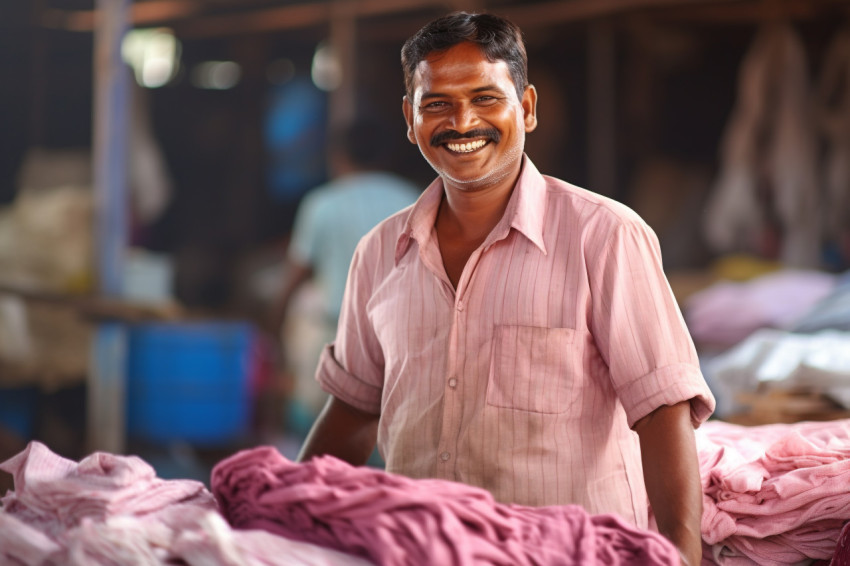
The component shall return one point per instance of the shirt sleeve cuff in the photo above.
(345, 386)
(668, 385)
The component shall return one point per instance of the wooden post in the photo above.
(343, 40)
(602, 109)
(38, 78)
(106, 384)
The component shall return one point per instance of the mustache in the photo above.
(450, 135)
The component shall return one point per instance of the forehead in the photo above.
(463, 66)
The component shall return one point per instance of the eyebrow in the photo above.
(485, 88)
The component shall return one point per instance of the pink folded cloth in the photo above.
(395, 520)
(112, 510)
(101, 485)
(774, 494)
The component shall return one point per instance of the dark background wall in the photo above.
(674, 86)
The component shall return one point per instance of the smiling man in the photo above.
(510, 330)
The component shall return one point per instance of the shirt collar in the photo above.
(525, 212)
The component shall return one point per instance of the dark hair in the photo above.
(498, 39)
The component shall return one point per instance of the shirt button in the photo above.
(460, 305)
(453, 382)
(445, 456)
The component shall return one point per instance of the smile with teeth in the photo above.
(466, 147)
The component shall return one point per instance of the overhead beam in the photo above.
(555, 11)
(753, 12)
(140, 14)
(195, 19)
(298, 16)
(257, 21)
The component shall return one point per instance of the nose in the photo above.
(464, 117)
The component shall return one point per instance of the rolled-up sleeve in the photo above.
(639, 329)
(346, 386)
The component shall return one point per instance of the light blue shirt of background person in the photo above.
(333, 217)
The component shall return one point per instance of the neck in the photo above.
(471, 215)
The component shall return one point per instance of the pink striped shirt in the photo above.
(526, 379)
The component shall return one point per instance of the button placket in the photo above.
(453, 403)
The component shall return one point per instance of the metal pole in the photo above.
(106, 386)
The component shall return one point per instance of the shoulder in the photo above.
(379, 243)
(578, 209)
(391, 227)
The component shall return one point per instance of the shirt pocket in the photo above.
(534, 369)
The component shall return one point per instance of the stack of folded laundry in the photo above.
(774, 494)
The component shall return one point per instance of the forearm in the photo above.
(342, 431)
(671, 473)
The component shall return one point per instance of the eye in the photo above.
(434, 106)
(485, 100)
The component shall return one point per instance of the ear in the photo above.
(529, 108)
(407, 109)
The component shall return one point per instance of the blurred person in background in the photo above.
(513, 331)
(329, 223)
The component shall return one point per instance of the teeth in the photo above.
(466, 147)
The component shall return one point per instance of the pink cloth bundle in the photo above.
(112, 510)
(395, 520)
(774, 494)
(64, 492)
(841, 557)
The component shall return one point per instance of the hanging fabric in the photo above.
(765, 199)
(834, 120)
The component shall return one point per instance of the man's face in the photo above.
(466, 118)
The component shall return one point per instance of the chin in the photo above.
(472, 184)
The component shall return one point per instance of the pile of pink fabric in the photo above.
(394, 520)
(727, 312)
(774, 494)
(113, 510)
(841, 557)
